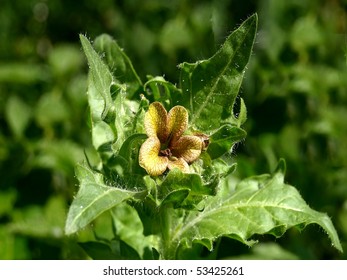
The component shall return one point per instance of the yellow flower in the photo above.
(166, 146)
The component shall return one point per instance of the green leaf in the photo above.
(149, 217)
(126, 173)
(129, 229)
(93, 198)
(126, 116)
(99, 96)
(121, 116)
(242, 117)
(176, 179)
(129, 151)
(223, 140)
(238, 214)
(184, 189)
(112, 114)
(65, 59)
(101, 78)
(7, 201)
(59, 155)
(176, 197)
(103, 136)
(119, 63)
(163, 91)
(51, 108)
(127, 145)
(210, 86)
(41, 222)
(118, 165)
(116, 250)
(99, 251)
(23, 73)
(18, 115)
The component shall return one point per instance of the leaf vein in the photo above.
(85, 209)
(237, 207)
(211, 92)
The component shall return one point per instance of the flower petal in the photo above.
(177, 122)
(179, 163)
(187, 147)
(156, 122)
(149, 158)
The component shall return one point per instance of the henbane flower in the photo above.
(166, 147)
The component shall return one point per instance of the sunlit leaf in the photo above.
(99, 96)
(259, 205)
(100, 76)
(119, 63)
(112, 114)
(93, 198)
(242, 116)
(209, 87)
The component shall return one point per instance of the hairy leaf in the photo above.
(223, 139)
(99, 97)
(100, 77)
(209, 87)
(242, 117)
(119, 63)
(184, 189)
(93, 198)
(259, 205)
(113, 115)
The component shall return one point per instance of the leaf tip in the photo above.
(254, 17)
(338, 246)
(83, 38)
(281, 166)
(69, 229)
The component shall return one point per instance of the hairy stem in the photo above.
(168, 248)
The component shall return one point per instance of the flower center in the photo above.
(165, 153)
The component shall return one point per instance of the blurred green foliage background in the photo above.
(295, 91)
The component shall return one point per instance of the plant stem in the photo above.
(168, 249)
